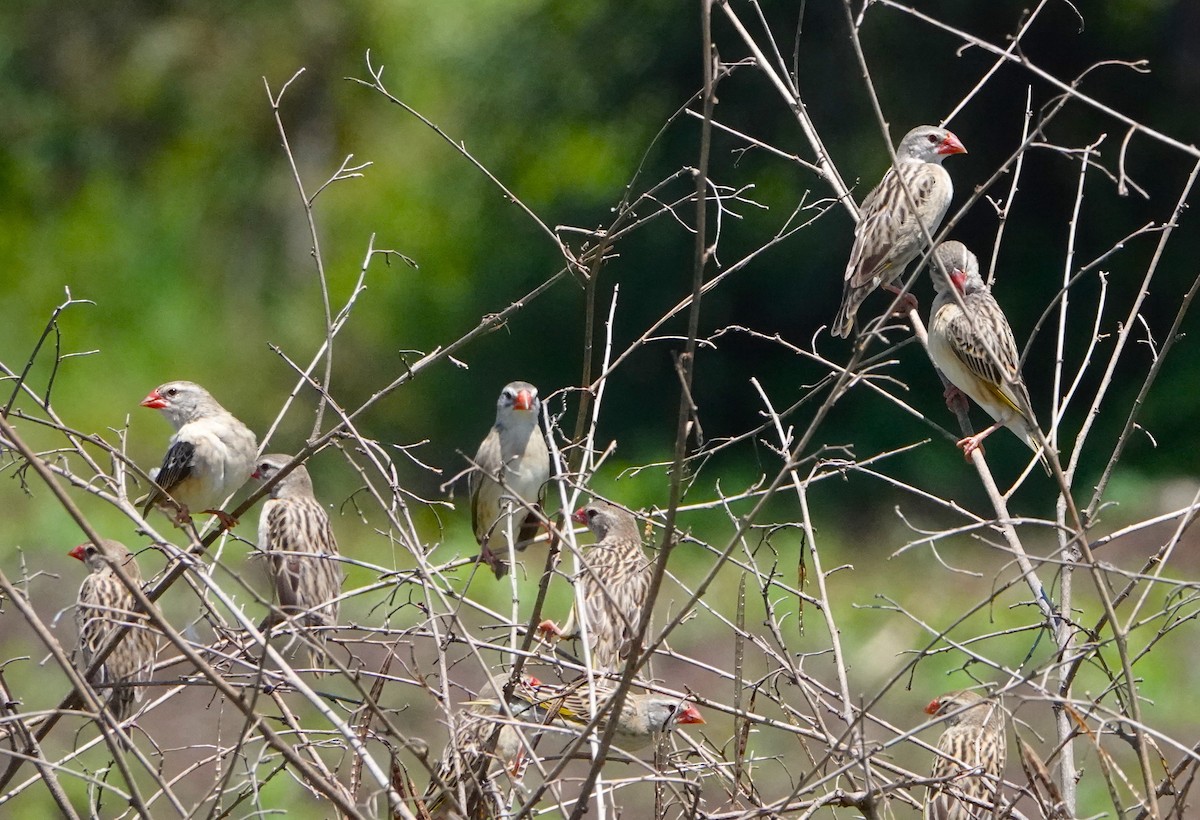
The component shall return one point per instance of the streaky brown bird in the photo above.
(613, 582)
(294, 531)
(971, 757)
(104, 605)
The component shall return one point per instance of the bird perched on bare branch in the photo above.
(975, 349)
(892, 224)
(469, 762)
(971, 757)
(294, 531)
(613, 583)
(512, 466)
(644, 718)
(104, 605)
(209, 458)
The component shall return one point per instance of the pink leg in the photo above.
(972, 443)
(228, 522)
(956, 400)
(549, 629)
(908, 302)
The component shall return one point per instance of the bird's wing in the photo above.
(1000, 374)
(176, 467)
(888, 220)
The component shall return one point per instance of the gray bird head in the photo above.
(518, 404)
(663, 712)
(108, 551)
(961, 266)
(928, 143)
(605, 519)
(182, 402)
(966, 708)
(296, 483)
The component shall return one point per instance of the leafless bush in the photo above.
(1061, 630)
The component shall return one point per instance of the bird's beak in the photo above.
(951, 145)
(78, 553)
(932, 708)
(523, 401)
(579, 516)
(959, 278)
(690, 715)
(256, 474)
(154, 401)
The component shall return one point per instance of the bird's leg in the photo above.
(183, 516)
(972, 443)
(908, 302)
(228, 522)
(956, 400)
(486, 556)
(549, 630)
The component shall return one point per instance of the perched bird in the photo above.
(105, 604)
(210, 457)
(644, 717)
(971, 758)
(892, 225)
(512, 465)
(613, 584)
(975, 348)
(294, 531)
(467, 760)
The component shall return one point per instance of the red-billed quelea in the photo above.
(644, 718)
(613, 583)
(892, 226)
(974, 348)
(104, 605)
(463, 784)
(209, 458)
(512, 466)
(294, 531)
(970, 761)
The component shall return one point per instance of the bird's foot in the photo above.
(228, 522)
(956, 400)
(499, 565)
(970, 444)
(549, 630)
(907, 304)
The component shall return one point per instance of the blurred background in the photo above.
(141, 169)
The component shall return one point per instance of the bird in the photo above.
(892, 225)
(103, 605)
(975, 349)
(294, 531)
(971, 756)
(511, 467)
(210, 456)
(466, 758)
(644, 718)
(614, 580)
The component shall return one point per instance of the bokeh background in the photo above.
(141, 169)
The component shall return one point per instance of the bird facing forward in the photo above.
(294, 531)
(512, 466)
(892, 225)
(105, 604)
(613, 583)
(467, 761)
(644, 718)
(209, 458)
(975, 349)
(970, 763)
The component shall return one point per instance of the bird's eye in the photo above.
(172, 391)
(932, 138)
